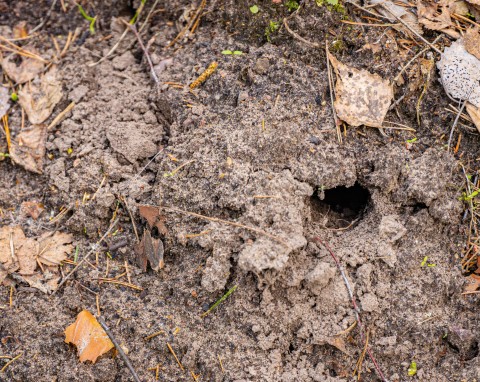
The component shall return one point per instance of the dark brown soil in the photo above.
(259, 147)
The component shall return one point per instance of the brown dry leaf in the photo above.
(29, 148)
(38, 100)
(88, 336)
(474, 113)
(473, 283)
(434, 17)
(362, 98)
(9, 239)
(472, 41)
(33, 209)
(20, 30)
(338, 342)
(149, 250)
(20, 256)
(390, 10)
(28, 69)
(54, 249)
(154, 218)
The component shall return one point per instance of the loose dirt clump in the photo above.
(247, 170)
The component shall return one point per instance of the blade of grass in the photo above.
(220, 300)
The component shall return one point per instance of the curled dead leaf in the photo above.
(474, 113)
(38, 100)
(473, 283)
(472, 41)
(154, 218)
(28, 150)
(433, 16)
(88, 336)
(28, 69)
(362, 98)
(32, 208)
(149, 250)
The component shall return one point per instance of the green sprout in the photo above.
(254, 9)
(272, 27)
(235, 52)
(413, 140)
(220, 300)
(412, 369)
(468, 197)
(137, 12)
(88, 18)
(292, 5)
(14, 97)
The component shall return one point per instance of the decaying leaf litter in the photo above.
(200, 249)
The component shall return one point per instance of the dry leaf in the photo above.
(33, 209)
(154, 218)
(434, 19)
(4, 101)
(88, 336)
(362, 98)
(28, 69)
(474, 113)
(28, 150)
(473, 283)
(20, 30)
(38, 100)
(472, 41)
(460, 73)
(54, 249)
(390, 10)
(20, 256)
(149, 250)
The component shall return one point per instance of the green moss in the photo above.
(271, 28)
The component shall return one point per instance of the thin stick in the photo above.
(44, 20)
(330, 85)
(119, 349)
(124, 201)
(9, 362)
(145, 52)
(300, 38)
(356, 309)
(93, 250)
(414, 58)
(464, 103)
(61, 116)
(227, 222)
(412, 30)
(176, 358)
(189, 24)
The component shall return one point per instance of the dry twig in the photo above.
(119, 349)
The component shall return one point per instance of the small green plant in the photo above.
(91, 19)
(272, 27)
(234, 53)
(220, 300)
(14, 97)
(254, 9)
(412, 369)
(292, 5)
(332, 4)
(468, 197)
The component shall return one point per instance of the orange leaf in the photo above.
(88, 336)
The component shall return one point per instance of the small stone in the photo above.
(262, 65)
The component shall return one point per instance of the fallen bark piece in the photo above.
(28, 150)
(362, 98)
(88, 336)
(460, 73)
(28, 69)
(38, 100)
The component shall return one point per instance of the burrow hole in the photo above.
(340, 206)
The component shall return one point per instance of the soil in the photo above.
(258, 145)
